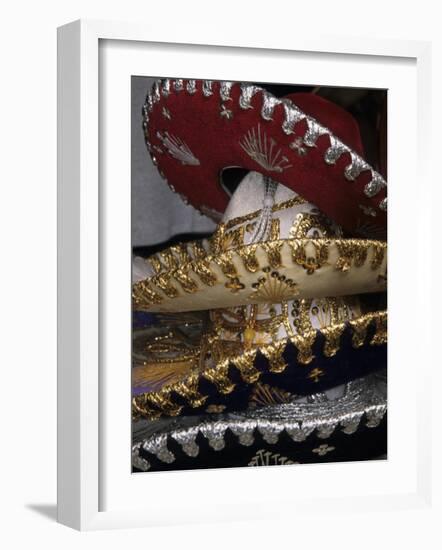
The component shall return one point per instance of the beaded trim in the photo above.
(292, 115)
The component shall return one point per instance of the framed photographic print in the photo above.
(223, 246)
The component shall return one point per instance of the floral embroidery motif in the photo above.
(297, 145)
(225, 113)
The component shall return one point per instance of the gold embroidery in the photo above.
(189, 391)
(188, 284)
(309, 263)
(273, 288)
(308, 221)
(380, 336)
(359, 327)
(215, 409)
(276, 208)
(310, 254)
(232, 239)
(234, 285)
(226, 264)
(144, 296)
(217, 238)
(156, 264)
(163, 282)
(273, 353)
(141, 409)
(350, 251)
(159, 374)
(247, 255)
(220, 377)
(198, 250)
(263, 395)
(378, 255)
(245, 364)
(169, 259)
(332, 339)
(162, 400)
(315, 374)
(274, 230)
(202, 269)
(273, 251)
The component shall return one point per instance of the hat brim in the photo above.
(302, 364)
(352, 427)
(195, 129)
(188, 278)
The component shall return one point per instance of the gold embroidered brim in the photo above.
(188, 277)
(183, 382)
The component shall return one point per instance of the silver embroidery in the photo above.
(247, 93)
(188, 443)
(207, 88)
(149, 102)
(191, 86)
(139, 462)
(157, 445)
(336, 149)
(226, 113)
(178, 149)
(314, 130)
(166, 113)
(383, 204)
(165, 87)
(365, 398)
(368, 210)
(354, 169)
(156, 92)
(264, 151)
(292, 115)
(296, 145)
(269, 103)
(179, 85)
(267, 458)
(224, 90)
(322, 450)
(374, 186)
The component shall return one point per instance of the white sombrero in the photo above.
(271, 246)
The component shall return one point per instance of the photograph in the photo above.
(259, 273)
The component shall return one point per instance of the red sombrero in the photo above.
(195, 129)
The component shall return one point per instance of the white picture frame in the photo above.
(95, 487)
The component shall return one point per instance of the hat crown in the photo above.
(291, 213)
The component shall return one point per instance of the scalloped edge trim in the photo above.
(292, 115)
(154, 404)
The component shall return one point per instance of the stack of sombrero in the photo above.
(267, 339)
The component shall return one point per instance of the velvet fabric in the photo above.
(347, 364)
(365, 444)
(213, 131)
